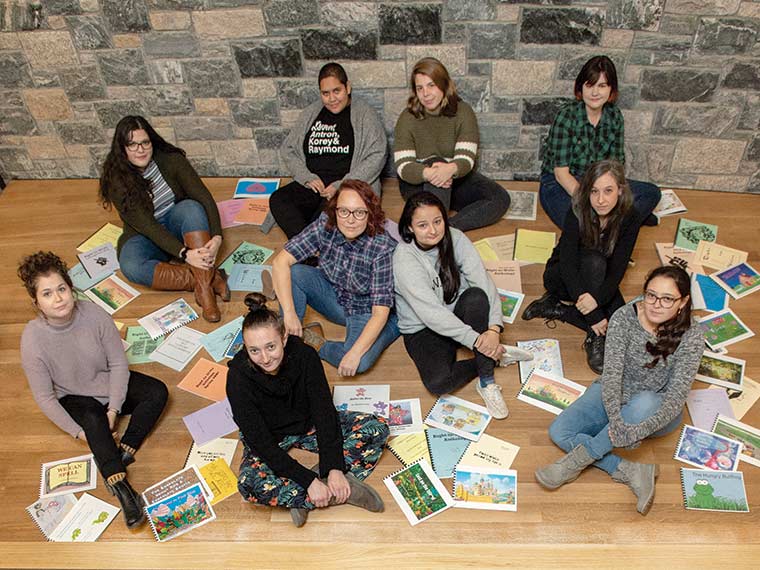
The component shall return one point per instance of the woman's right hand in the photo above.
(292, 324)
(199, 257)
(81, 436)
(316, 185)
(319, 493)
(440, 174)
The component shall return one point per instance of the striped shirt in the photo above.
(454, 139)
(163, 197)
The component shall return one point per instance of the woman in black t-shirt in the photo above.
(334, 138)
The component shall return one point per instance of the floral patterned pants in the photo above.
(364, 436)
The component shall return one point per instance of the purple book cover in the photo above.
(211, 422)
(704, 405)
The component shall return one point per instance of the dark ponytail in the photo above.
(259, 315)
(448, 270)
(670, 332)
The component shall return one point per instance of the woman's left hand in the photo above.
(600, 328)
(488, 344)
(586, 303)
(111, 415)
(338, 485)
(441, 174)
(328, 192)
(349, 363)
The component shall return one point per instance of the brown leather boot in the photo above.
(170, 277)
(219, 285)
(204, 292)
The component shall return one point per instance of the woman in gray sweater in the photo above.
(652, 355)
(335, 138)
(445, 299)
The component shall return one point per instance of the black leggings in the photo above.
(593, 267)
(146, 398)
(294, 207)
(435, 356)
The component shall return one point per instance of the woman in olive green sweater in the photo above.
(168, 213)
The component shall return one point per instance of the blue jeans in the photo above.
(139, 255)
(585, 422)
(556, 201)
(311, 287)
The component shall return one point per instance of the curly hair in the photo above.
(376, 217)
(39, 264)
(436, 71)
(122, 178)
(670, 332)
(590, 73)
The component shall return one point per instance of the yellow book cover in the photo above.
(716, 256)
(533, 246)
(107, 233)
(503, 246)
(409, 448)
(485, 251)
(220, 479)
(490, 451)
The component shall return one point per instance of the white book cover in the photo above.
(179, 348)
(201, 455)
(85, 522)
(405, 417)
(100, 261)
(369, 399)
(669, 204)
(166, 319)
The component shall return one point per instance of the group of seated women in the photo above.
(432, 288)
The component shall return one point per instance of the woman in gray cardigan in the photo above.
(334, 138)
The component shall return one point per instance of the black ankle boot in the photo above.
(546, 307)
(127, 458)
(594, 345)
(131, 503)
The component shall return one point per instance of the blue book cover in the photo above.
(707, 490)
(715, 298)
(256, 187)
(446, 449)
(218, 341)
(247, 277)
(235, 345)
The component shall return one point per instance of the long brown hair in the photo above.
(588, 219)
(670, 332)
(436, 71)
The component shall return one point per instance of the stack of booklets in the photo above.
(669, 204)
(253, 194)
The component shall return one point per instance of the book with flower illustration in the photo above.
(368, 399)
(705, 490)
(418, 492)
(173, 516)
(168, 318)
(65, 476)
(112, 294)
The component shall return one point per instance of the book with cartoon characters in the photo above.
(459, 417)
(404, 416)
(707, 450)
(705, 490)
(369, 399)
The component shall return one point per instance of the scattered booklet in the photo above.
(522, 205)
(107, 233)
(217, 341)
(256, 187)
(459, 417)
(210, 422)
(510, 305)
(745, 434)
(221, 447)
(112, 294)
(741, 402)
(533, 246)
(220, 479)
(505, 274)
(502, 246)
(175, 482)
(489, 451)
(738, 280)
(669, 204)
(86, 521)
(168, 318)
(141, 345)
(228, 210)
(689, 233)
(410, 448)
(705, 490)
(81, 280)
(716, 256)
(706, 294)
(248, 253)
(553, 394)
(47, 514)
(368, 399)
(255, 212)
(492, 488)
(418, 492)
(70, 475)
(705, 405)
(235, 346)
(404, 416)
(100, 261)
(206, 379)
(682, 258)
(724, 328)
(703, 449)
(446, 450)
(721, 370)
(546, 358)
(180, 513)
(485, 251)
(178, 349)
(244, 277)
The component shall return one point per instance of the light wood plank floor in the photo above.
(591, 522)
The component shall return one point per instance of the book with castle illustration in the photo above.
(705, 490)
(488, 488)
(368, 399)
(418, 492)
(458, 416)
(70, 475)
(551, 393)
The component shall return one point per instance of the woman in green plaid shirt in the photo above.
(586, 131)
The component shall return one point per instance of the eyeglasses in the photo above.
(144, 145)
(359, 214)
(666, 302)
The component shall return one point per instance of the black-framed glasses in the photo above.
(144, 145)
(359, 214)
(666, 302)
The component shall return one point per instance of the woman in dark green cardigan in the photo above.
(168, 213)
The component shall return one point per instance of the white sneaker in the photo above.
(513, 354)
(495, 403)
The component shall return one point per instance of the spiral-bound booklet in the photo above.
(178, 349)
(459, 417)
(410, 448)
(166, 319)
(86, 521)
(446, 450)
(703, 449)
(490, 451)
(47, 514)
(180, 513)
(487, 488)
(747, 435)
(705, 490)
(418, 492)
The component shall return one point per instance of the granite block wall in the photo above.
(224, 79)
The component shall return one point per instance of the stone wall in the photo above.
(224, 79)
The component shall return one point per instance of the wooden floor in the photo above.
(592, 522)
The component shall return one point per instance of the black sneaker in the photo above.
(594, 345)
(546, 307)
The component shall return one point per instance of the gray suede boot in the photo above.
(299, 516)
(364, 496)
(565, 469)
(640, 477)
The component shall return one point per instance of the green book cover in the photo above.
(141, 345)
(690, 232)
(248, 253)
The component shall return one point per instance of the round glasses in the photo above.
(665, 302)
(144, 145)
(358, 214)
